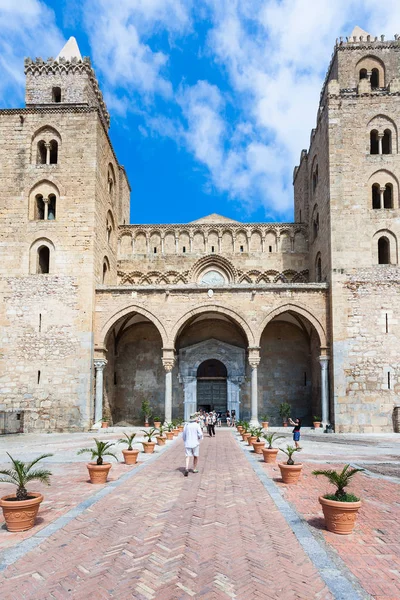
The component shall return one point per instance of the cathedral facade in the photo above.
(97, 315)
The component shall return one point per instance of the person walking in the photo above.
(228, 418)
(210, 424)
(191, 436)
(296, 431)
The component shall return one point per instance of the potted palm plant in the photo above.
(239, 426)
(170, 431)
(317, 422)
(104, 423)
(180, 426)
(270, 452)
(98, 471)
(146, 412)
(340, 509)
(130, 454)
(157, 422)
(20, 509)
(161, 438)
(149, 445)
(265, 422)
(246, 431)
(258, 444)
(175, 429)
(284, 411)
(253, 436)
(289, 471)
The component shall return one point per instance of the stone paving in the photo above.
(217, 534)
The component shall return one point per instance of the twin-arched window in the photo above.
(381, 142)
(45, 146)
(382, 196)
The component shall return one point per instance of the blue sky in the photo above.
(211, 101)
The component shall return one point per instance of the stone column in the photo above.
(99, 364)
(47, 146)
(380, 136)
(176, 245)
(254, 361)
(190, 393)
(382, 199)
(324, 362)
(191, 243)
(220, 243)
(162, 244)
(46, 208)
(168, 361)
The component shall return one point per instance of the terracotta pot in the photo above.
(270, 454)
(157, 424)
(251, 439)
(340, 517)
(98, 473)
(148, 447)
(175, 431)
(246, 436)
(240, 429)
(146, 423)
(180, 428)
(161, 440)
(104, 424)
(290, 473)
(258, 447)
(170, 435)
(285, 424)
(317, 424)
(265, 424)
(20, 515)
(130, 456)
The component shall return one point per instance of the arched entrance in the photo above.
(212, 386)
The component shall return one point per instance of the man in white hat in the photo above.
(191, 436)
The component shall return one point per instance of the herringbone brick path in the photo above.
(214, 535)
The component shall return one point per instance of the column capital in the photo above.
(254, 356)
(168, 364)
(99, 363)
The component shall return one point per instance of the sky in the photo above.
(211, 101)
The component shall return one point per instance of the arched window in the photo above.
(56, 94)
(41, 153)
(388, 196)
(51, 212)
(106, 270)
(315, 179)
(374, 78)
(53, 152)
(376, 196)
(374, 142)
(318, 269)
(315, 225)
(43, 260)
(387, 142)
(111, 180)
(363, 74)
(383, 251)
(39, 207)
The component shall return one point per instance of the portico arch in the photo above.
(296, 309)
(132, 309)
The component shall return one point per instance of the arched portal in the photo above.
(211, 386)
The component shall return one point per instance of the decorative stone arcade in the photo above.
(191, 357)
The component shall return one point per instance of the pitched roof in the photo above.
(214, 218)
(70, 50)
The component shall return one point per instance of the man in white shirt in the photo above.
(191, 436)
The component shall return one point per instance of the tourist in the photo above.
(228, 418)
(191, 436)
(233, 418)
(210, 424)
(296, 431)
(219, 419)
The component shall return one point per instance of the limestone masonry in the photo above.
(98, 315)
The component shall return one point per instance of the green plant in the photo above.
(340, 480)
(272, 437)
(246, 426)
(284, 410)
(161, 430)
(102, 449)
(104, 420)
(290, 450)
(265, 419)
(149, 434)
(257, 432)
(157, 419)
(22, 473)
(146, 410)
(317, 419)
(128, 439)
(170, 426)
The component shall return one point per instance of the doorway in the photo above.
(212, 386)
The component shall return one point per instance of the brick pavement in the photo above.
(214, 535)
(372, 552)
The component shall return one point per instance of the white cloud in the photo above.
(28, 28)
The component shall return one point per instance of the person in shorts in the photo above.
(228, 418)
(296, 431)
(191, 436)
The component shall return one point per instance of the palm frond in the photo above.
(36, 460)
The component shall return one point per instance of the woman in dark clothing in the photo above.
(296, 431)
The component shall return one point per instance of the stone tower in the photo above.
(62, 197)
(347, 190)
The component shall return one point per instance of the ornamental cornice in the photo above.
(219, 227)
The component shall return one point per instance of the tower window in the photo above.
(374, 142)
(154, 250)
(270, 248)
(318, 274)
(184, 249)
(41, 153)
(51, 214)
(43, 263)
(374, 78)
(241, 248)
(56, 94)
(383, 251)
(388, 196)
(53, 152)
(39, 208)
(363, 74)
(387, 142)
(376, 196)
(315, 179)
(212, 248)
